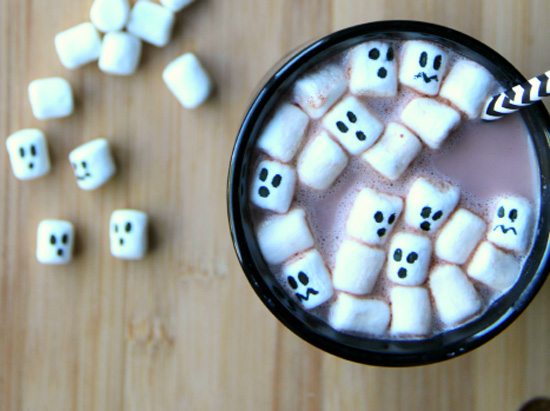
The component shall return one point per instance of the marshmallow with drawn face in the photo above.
(409, 259)
(423, 66)
(128, 234)
(93, 164)
(273, 186)
(411, 311)
(28, 151)
(54, 243)
(511, 224)
(352, 314)
(373, 216)
(494, 267)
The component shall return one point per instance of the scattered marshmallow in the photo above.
(409, 259)
(176, 5)
(353, 125)
(455, 297)
(359, 315)
(151, 22)
(373, 70)
(188, 80)
(282, 136)
(128, 234)
(78, 46)
(394, 152)
(120, 54)
(29, 156)
(317, 92)
(282, 236)
(467, 86)
(423, 66)
(373, 216)
(431, 120)
(273, 186)
(321, 162)
(54, 242)
(460, 236)
(494, 267)
(93, 164)
(51, 98)
(110, 15)
(511, 224)
(309, 279)
(357, 267)
(411, 311)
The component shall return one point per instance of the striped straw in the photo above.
(519, 96)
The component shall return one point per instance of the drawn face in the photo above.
(55, 242)
(128, 234)
(409, 259)
(93, 164)
(373, 70)
(273, 186)
(28, 151)
(511, 223)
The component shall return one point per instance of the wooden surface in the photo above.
(182, 329)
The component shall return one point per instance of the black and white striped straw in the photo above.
(519, 96)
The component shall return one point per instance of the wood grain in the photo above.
(182, 329)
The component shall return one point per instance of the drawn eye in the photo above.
(21, 152)
(423, 59)
(33, 150)
(351, 116)
(389, 55)
(426, 211)
(437, 215)
(84, 165)
(116, 228)
(52, 240)
(398, 255)
(513, 214)
(303, 278)
(437, 62)
(292, 282)
(391, 219)
(276, 181)
(263, 174)
(128, 227)
(412, 257)
(379, 217)
(501, 212)
(65, 239)
(374, 54)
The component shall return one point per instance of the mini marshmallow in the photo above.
(357, 267)
(321, 162)
(176, 5)
(188, 80)
(455, 297)
(282, 236)
(429, 204)
(120, 54)
(110, 15)
(411, 311)
(318, 91)
(151, 22)
(373, 216)
(93, 164)
(394, 152)
(512, 223)
(54, 242)
(431, 120)
(467, 86)
(353, 125)
(78, 46)
(409, 259)
(283, 134)
(308, 278)
(359, 315)
(494, 267)
(423, 66)
(373, 70)
(51, 98)
(460, 236)
(29, 156)
(128, 234)
(273, 186)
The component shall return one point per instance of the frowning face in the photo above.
(511, 223)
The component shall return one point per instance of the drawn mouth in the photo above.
(83, 177)
(426, 78)
(505, 230)
(308, 292)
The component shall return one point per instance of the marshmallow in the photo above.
(373, 70)
(317, 92)
(188, 80)
(110, 15)
(460, 236)
(359, 315)
(373, 216)
(282, 236)
(283, 134)
(176, 5)
(423, 66)
(353, 125)
(357, 267)
(29, 156)
(467, 86)
(54, 242)
(308, 278)
(455, 297)
(409, 259)
(120, 54)
(494, 267)
(429, 204)
(93, 164)
(78, 46)
(128, 234)
(512, 224)
(411, 311)
(51, 98)
(321, 162)
(151, 22)
(393, 153)
(430, 120)
(273, 186)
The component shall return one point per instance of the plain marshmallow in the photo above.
(176, 5)
(151, 22)
(273, 186)
(409, 259)
(120, 54)
(93, 164)
(511, 224)
(359, 315)
(128, 234)
(29, 156)
(411, 311)
(54, 242)
(494, 267)
(78, 46)
(51, 98)
(110, 15)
